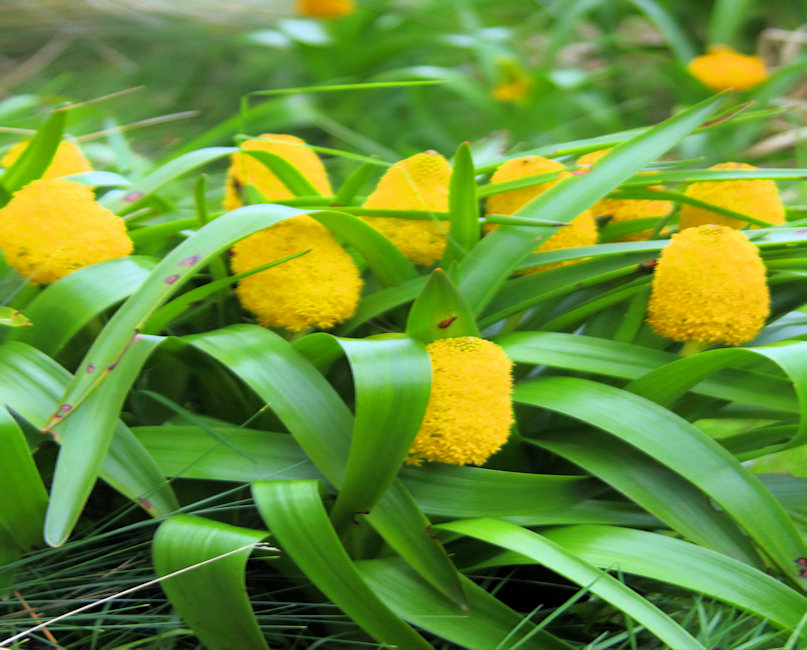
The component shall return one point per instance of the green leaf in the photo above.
(677, 444)
(553, 556)
(210, 592)
(22, 493)
(295, 515)
(99, 179)
(440, 311)
(659, 490)
(676, 38)
(487, 624)
(36, 157)
(10, 317)
(487, 266)
(85, 439)
(286, 172)
(726, 20)
(463, 207)
(679, 563)
(65, 306)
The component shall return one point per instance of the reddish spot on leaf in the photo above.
(131, 197)
(50, 433)
(172, 278)
(445, 323)
(801, 561)
(64, 409)
(146, 504)
(90, 368)
(189, 261)
(800, 232)
(579, 172)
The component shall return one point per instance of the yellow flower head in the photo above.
(245, 170)
(756, 198)
(626, 209)
(419, 182)
(469, 413)
(709, 286)
(723, 68)
(325, 8)
(320, 288)
(67, 160)
(52, 227)
(581, 231)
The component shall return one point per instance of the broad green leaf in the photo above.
(382, 301)
(487, 624)
(487, 266)
(680, 446)
(556, 558)
(36, 157)
(616, 359)
(440, 311)
(22, 493)
(295, 515)
(210, 592)
(85, 438)
(463, 208)
(9, 553)
(660, 491)
(322, 424)
(64, 307)
(679, 563)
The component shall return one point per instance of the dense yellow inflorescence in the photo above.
(621, 210)
(51, 227)
(67, 160)
(325, 8)
(470, 412)
(419, 182)
(709, 286)
(756, 198)
(245, 170)
(581, 231)
(318, 289)
(723, 68)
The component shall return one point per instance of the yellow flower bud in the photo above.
(626, 209)
(67, 160)
(325, 8)
(723, 68)
(581, 231)
(52, 227)
(709, 286)
(470, 411)
(419, 182)
(756, 198)
(320, 288)
(245, 170)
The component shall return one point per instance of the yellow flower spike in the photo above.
(723, 68)
(67, 160)
(52, 227)
(318, 289)
(470, 412)
(709, 286)
(756, 198)
(325, 8)
(626, 209)
(419, 182)
(581, 231)
(245, 170)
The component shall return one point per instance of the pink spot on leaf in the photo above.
(190, 261)
(172, 278)
(131, 197)
(64, 409)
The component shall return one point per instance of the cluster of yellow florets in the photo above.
(709, 286)
(320, 288)
(581, 231)
(246, 170)
(52, 227)
(621, 210)
(756, 198)
(419, 182)
(469, 414)
(67, 160)
(325, 8)
(723, 68)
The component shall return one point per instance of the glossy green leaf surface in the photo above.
(463, 207)
(210, 592)
(36, 157)
(440, 311)
(295, 515)
(558, 559)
